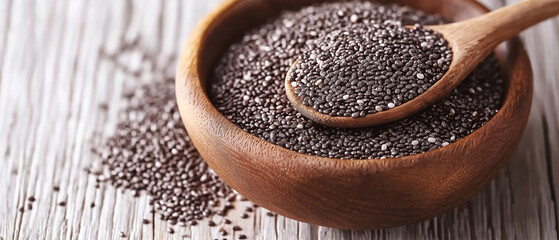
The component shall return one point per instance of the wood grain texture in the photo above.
(55, 81)
(342, 193)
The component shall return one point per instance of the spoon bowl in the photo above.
(344, 193)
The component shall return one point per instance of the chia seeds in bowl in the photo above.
(333, 192)
(247, 88)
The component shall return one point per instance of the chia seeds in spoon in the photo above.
(247, 88)
(368, 68)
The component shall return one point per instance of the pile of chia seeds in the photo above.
(152, 152)
(247, 88)
(368, 68)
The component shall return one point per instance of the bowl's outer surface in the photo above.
(350, 194)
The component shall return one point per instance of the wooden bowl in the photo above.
(349, 194)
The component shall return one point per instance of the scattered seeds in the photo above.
(146, 221)
(151, 152)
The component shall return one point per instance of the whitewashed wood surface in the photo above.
(59, 67)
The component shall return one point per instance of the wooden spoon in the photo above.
(471, 42)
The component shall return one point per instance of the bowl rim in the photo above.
(188, 82)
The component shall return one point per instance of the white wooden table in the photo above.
(59, 68)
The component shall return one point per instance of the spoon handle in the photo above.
(491, 29)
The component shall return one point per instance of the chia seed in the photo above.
(273, 119)
(222, 231)
(354, 62)
(152, 152)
